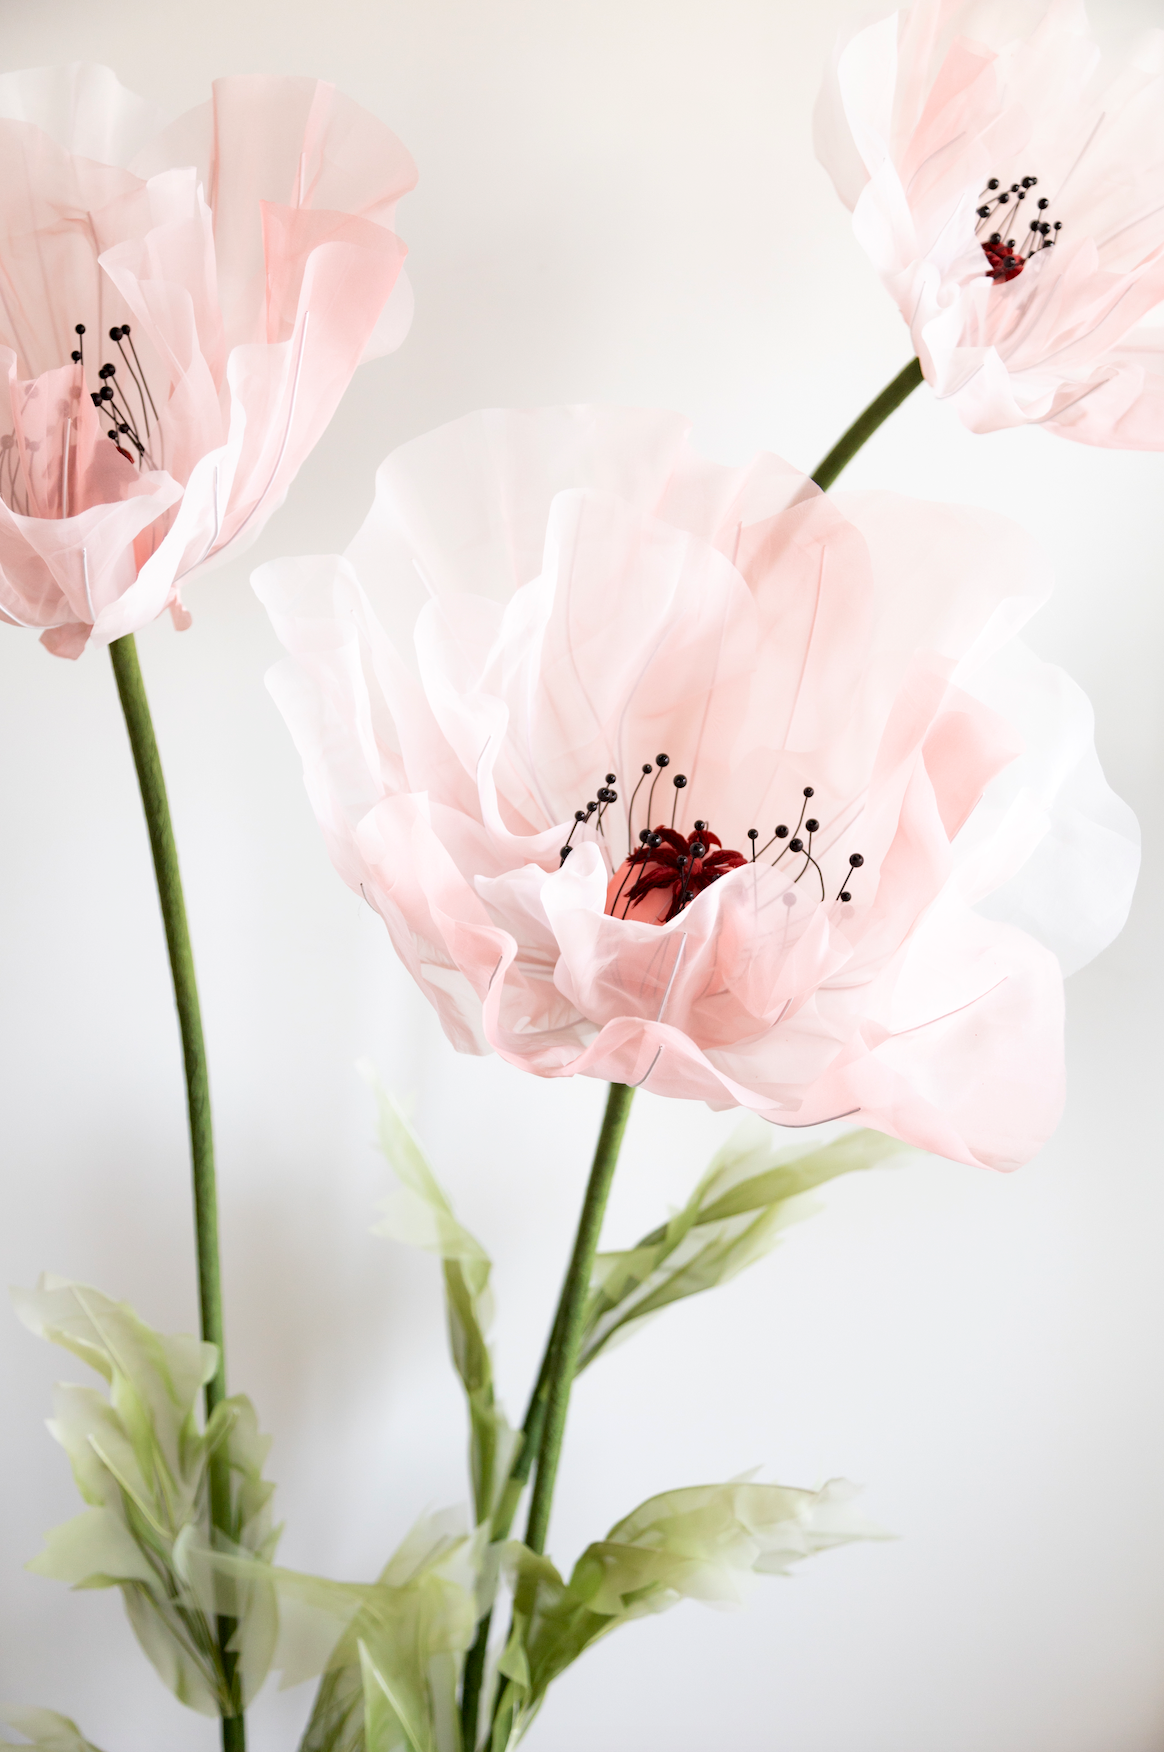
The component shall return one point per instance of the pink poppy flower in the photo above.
(824, 813)
(1013, 210)
(181, 309)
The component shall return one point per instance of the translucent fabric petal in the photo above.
(831, 690)
(184, 309)
(954, 125)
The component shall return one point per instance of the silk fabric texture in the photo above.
(539, 598)
(918, 113)
(249, 248)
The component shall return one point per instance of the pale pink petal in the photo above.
(848, 667)
(215, 298)
(918, 115)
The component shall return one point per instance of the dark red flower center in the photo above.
(665, 871)
(1006, 262)
(668, 862)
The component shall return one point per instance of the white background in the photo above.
(618, 201)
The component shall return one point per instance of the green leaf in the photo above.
(419, 1213)
(396, 1648)
(47, 1730)
(701, 1543)
(95, 1550)
(751, 1193)
(141, 1461)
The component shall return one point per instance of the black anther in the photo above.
(76, 358)
(80, 329)
(115, 334)
(781, 832)
(984, 212)
(644, 835)
(856, 860)
(845, 895)
(566, 850)
(812, 825)
(1044, 203)
(679, 781)
(753, 833)
(579, 815)
(699, 850)
(993, 183)
(701, 827)
(611, 778)
(996, 237)
(107, 371)
(1029, 182)
(808, 791)
(662, 760)
(796, 845)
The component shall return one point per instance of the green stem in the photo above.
(572, 1311)
(864, 426)
(531, 1435)
(551, 1395)
(152, 784)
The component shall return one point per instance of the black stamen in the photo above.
(649, 768)
(812, 826)
(855, 863)
(139, 382)
(661, 761)
(679, 781)
(580, 815)
(794, 844)
(128, 337)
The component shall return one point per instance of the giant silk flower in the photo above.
(539, 608)
(1014, 210)
(181, 309)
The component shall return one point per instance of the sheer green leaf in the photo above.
(702, 1543)
(47, 1731)
(141, 1461)
(420, 1214)
(751, 1193)
(94, 1550)
(392, 1659)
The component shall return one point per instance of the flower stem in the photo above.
(567, 1343)
(864, 426)
(531, 1435)
(555, 1377)
(147, 761)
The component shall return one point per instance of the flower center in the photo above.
(1005, 260)
(39, 476)
(115, 401)
(674, 867)
(664, 872)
